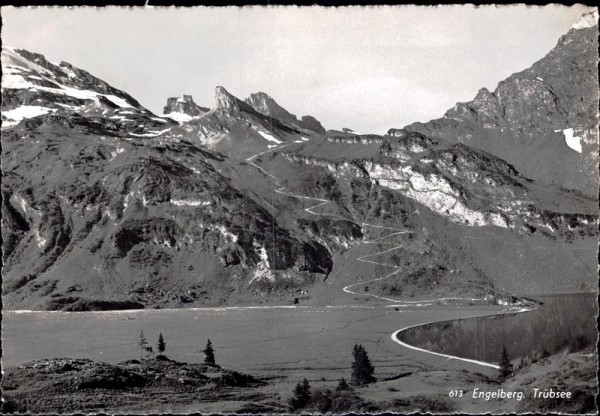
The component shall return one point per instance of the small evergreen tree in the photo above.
(506, 367)
(209, 354)
(301, 396)
(162, 345)
(143, 343)
(342, 385)
(362, 369)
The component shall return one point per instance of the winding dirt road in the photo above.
(319, 202)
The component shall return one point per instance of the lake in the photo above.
(299, 341)
(563, 322)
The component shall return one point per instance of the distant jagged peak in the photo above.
(266, 105)
(589, 19)
(260, 97)
(184, 105)
(226, 102)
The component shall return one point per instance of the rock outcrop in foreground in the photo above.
(65, 385)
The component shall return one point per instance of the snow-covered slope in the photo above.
(32, 86)
(183, 109)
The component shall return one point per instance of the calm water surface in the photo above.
(563, 322)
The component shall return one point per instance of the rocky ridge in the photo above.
(267, 106)
(543, 120)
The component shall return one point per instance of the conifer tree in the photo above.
(209, 354)
(362, 369)
(162, 345)
(506, 367)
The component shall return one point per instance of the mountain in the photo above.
(471, 224)
(236, 128)
(69, 97)
(543, 120)
(267, 106)
(102, 212)
(106, 205)
(182, 109)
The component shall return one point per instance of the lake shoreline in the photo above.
(482, 329)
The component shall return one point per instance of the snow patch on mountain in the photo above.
(41, 241)
(179, 117)
(574, 142)
(151, 133)
(191, 203)
(16, 115)
(226, 233)
(18, 71)
(269, 137)
(12, 80)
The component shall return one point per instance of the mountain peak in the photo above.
(266, 105)
(261, 95)
(520, 119)
(184, 105)
(30, 71)
(225, 101)
(589, 19)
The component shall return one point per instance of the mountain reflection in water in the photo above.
(565, 322)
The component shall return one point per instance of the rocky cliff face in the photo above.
(467, 186)
(544, 120)
(180, 107)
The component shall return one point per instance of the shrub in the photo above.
(301, 396)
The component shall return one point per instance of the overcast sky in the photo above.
(368, 69)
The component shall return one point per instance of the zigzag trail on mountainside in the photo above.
(396, 302)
